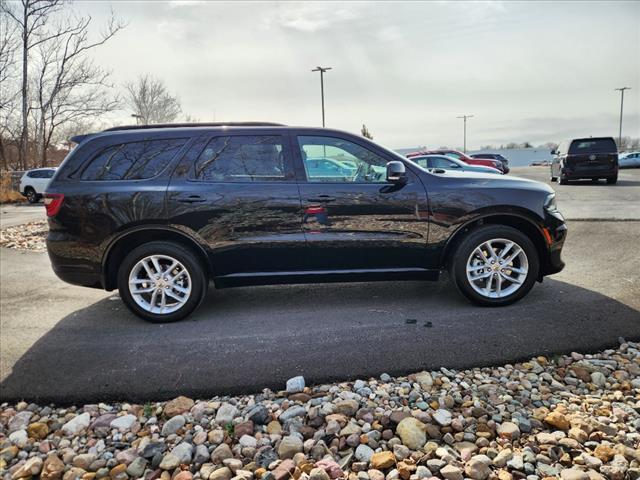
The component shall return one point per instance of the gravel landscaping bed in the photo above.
(29, 236)
(573, 417)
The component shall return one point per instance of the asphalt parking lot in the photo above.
(584, 200)
(18, 214)
(65, 344)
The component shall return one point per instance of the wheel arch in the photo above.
(520, 222)
(119, 247)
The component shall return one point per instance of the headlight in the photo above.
(550, 203)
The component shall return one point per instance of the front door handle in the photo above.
(191, 199)
(321, 198)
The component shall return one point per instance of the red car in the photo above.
(463, 157)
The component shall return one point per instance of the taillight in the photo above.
(53, 202)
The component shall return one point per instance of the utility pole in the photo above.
(322, 70)
(465, 130)
(621, 90)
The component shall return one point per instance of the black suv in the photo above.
(590, 158)
(158, 212)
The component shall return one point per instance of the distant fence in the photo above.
(13, 178)
(9, 186)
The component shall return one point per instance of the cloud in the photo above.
(312, 17)
(185, 3)
(389, 33)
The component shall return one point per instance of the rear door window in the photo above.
(243, 158)
(132, 161)
(593, 145)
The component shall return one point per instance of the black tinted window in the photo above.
(132, 161)
(242, 158)
(49, 173)
(593, 145)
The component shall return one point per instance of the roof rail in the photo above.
(182, 125)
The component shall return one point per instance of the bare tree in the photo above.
(9, 44)
(191, 119)
(57, 82)
(365, 132)
(31, 17)
(68, 86)
(150, 101)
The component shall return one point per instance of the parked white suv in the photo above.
(34, 182)
(629, 160)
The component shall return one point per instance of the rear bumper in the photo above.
(73, 264)
(78, 277)
(572, 174)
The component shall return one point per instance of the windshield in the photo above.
(593, 145)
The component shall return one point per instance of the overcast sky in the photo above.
(536, 72)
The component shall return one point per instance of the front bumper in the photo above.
(556, 228)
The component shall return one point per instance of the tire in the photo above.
(553, 179)
(563, 179)
(32, 196)
(467, 254)
(612, 180)
(178, 304)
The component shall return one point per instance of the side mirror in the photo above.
(396, 172)
(554, 152)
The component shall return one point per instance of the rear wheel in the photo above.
(161, 282)
(495, 265)
(32, 196)
(612, 180)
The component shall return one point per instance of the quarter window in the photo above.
(133, 161)
(242, 158)
(329, 159)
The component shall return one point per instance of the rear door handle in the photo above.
(321, 198)
(191, 199)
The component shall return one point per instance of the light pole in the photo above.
(465, 130)
(621, 90)
(322, 70)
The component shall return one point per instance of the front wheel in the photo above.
(495, 265)
(612, 180)
(32, 196)
(161, 282)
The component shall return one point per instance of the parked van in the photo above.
(590, 158)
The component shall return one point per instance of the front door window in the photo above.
(334, 160)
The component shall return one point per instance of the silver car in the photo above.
(629, 160)
(448, 163)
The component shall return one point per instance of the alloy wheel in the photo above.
(160, 284)
(497, 268)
